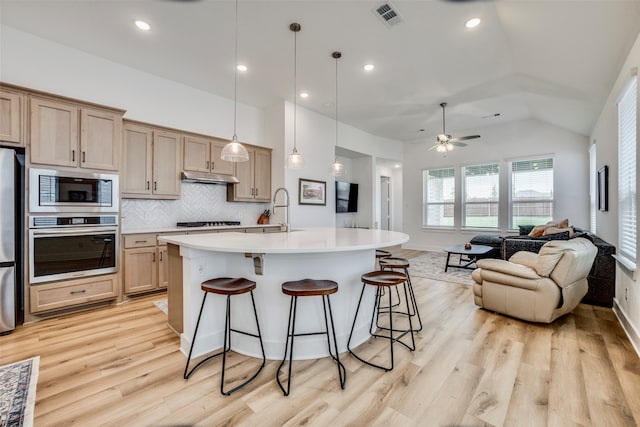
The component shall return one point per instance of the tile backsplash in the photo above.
(199, 202)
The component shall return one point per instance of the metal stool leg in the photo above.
(290, 334)
(342, 371)
(188, 373)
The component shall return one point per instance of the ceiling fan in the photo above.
(446, 142)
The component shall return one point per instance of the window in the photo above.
(438, 197)
(627, 213)
(531, 192)
(481, 196)
(592, 188)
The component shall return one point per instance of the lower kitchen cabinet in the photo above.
(146, 265)
(71, 293)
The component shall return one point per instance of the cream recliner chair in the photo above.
(536, 287)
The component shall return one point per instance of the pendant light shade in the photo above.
(295, 160)
(337, 167)
(234, 151)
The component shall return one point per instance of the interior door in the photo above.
(385, 203)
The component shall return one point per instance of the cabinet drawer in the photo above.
(71, 293)
(139, 240)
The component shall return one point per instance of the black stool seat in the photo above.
(310, 288)
(384, 278)
(226, 286)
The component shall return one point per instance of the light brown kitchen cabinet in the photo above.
(68, 134)
(254, 176)
(203, 155)
(71, 293)
(152, 161)
(11, 117)
(146, 264)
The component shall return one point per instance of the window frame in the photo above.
(511, 202)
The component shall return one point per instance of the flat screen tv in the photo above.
(346, 197)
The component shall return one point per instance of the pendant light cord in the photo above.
(336, 57)
(295, 86)
(235, 79)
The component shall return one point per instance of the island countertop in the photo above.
(311, 240)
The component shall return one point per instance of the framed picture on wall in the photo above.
(312, 192)
(603, 189)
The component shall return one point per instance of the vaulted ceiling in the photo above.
(550, 60)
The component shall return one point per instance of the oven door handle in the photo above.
(72, 232)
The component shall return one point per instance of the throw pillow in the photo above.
(525, 229)
(555, 230)
(537, 231)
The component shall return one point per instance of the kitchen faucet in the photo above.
(286, 206)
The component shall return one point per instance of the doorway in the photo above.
(385, 203)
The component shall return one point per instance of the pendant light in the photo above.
(337, 167)
(295, 160)
(234, 151)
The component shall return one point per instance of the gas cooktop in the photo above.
(206, 223)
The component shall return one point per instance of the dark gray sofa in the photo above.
(602, 278)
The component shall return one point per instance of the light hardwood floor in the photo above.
(121, 366)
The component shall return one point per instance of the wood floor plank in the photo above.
(121, 365)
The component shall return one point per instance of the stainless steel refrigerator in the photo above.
(12, 202)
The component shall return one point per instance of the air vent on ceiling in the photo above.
(388, 14)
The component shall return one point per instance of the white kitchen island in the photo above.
(269, 259)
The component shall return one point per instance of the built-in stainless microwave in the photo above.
(64, 191)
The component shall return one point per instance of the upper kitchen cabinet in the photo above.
(254, 176)
(74, 135)
(11, 117)
(152, 161)
(203, 155)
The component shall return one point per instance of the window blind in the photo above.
(438, 197)
(531, 192)
(481, 195)
(627, 210)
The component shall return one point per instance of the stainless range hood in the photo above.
(208, 178)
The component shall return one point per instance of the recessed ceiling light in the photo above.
(472, 23)
(397, 166)
(242, 67)
(369, 67)
(304, 95)
(142, 25)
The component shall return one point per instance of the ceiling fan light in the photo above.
(234, 152)
(449, 146)
(441, 148)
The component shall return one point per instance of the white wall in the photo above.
(500, 143)
(627, 299)
(36, 63)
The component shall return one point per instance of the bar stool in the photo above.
(380, 255)
(310, 288)
(226, 286)
(392, 263)
(384, 279)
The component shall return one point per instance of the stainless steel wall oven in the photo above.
(66, 247)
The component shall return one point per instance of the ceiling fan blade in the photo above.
(464, 138)
(434, 147)
(458, 144)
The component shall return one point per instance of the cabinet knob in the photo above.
(160, 256)
(155, 185)
(206, 164)
(256, 191)
(147, 185)
(73, 155)
(84, 157)
(78, 292)
(153, 257)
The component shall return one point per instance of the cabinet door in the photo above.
(100, 133)
(197, 154)
(217, 164)
(163, 267)
(262, 175)
(166, 163)
(244, 172)
(10, 117)
(137, 160)
(140, 270)
(54, 133)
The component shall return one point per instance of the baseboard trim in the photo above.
(627, 326)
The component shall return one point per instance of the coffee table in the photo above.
(470, 254)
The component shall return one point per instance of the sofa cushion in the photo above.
(525, 229)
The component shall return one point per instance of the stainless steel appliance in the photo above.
(67, 247)
(11, 238)
(64, 191)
